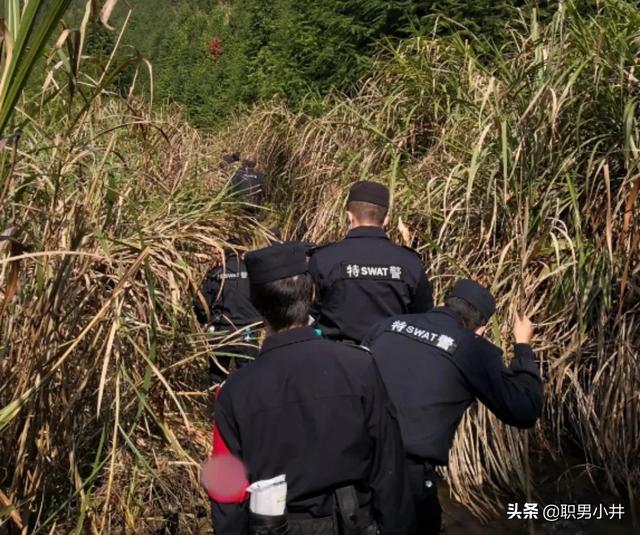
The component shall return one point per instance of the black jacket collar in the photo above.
(291, 336)
(367, 232)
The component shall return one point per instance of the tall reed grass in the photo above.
(520, 167)
(110, 215)
(516, 166)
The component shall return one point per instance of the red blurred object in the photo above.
(225, 478)
(215, 47)
(224, 475)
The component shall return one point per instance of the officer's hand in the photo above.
(522, 328)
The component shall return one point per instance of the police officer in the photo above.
(313, 410)
(435, 365)
(249, 183)
(230, 159)
(223, 305)
(365, 277)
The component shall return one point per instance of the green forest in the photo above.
(508, 135)
(216, 58)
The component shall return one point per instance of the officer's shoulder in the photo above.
(347, 350)
(410, 250)
(386, 322)
(232, 257)
(324, 252)
(359, 348)
(480, 343)
(476, 346)
(238, 382)
(323, 248)
(215, 268)
(380, 327)
(213, 273)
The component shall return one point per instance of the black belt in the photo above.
(349, 518)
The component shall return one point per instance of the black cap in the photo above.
(476, 295)
(371, 192)
(278, 261)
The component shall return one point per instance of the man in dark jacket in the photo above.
(223, 305)
(249, 184)
(435, 365)
(365, 277)
(313, 410)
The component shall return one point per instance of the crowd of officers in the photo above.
(360, 381)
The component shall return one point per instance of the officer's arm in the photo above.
(389, 482)
(515, 393)
(207, 295)
(423, 296)
(229, 512)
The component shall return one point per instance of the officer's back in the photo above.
(366, 277)
(304, 415)
(223, 300)
(432, 386)
(311, 409)
(224, 307)
(435, 365)
(248, 183)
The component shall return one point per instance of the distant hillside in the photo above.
(216, 57)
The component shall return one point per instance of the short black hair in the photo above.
(366, 212)
(284, 302)
(469, 315)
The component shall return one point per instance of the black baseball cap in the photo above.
(371, 192)
(476, 295)
(278, 261)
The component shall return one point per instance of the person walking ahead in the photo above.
(249, 184)
(313, 410)
(365, 277)
(223, 306)
(435, 365)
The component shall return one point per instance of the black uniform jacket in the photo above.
(249, 184)
(364, 279)
(318, 412)
(434, 368)
(232, 306)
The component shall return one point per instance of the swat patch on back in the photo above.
(368, 271)
(420, 334)
(230, 275)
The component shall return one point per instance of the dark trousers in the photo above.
(423, 480)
